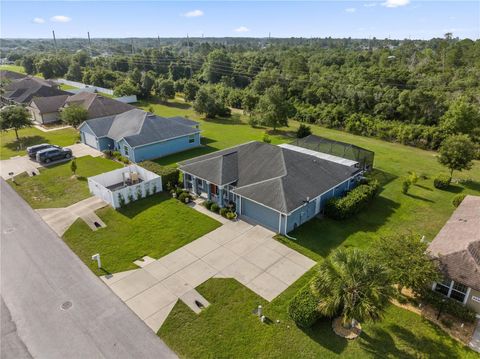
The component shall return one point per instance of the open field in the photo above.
(56, 187)
(13, 68)
(228, 329)
(154, 226)
(234, 332)
(9, 146)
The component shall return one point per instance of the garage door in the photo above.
(261, 214)
(90, 140)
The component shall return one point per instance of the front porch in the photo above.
(222, 195)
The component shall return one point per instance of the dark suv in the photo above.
(32, 150)
(53, 154)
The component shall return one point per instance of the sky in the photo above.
(396, 19)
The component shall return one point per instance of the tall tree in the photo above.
(218, 65)
(74, 115)
(457, 153)
(274, 109)
(209, 103)
(350, 283)
(461, 117)
(14, 117)
(406, 258)
(165, 89)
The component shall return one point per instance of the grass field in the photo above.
(9, 146)
(55, 186)
(13, 68)
(154, 226)
(228, 329)
(66, 87)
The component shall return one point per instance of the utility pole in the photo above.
(158, 39)
(188, 54)
(133, 51)
(54, 40)
(89, 43)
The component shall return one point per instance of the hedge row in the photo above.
(169, 174)
(450, 306)
(353, 202)
(303, 307)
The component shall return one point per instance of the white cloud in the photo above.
(193, 13)
(39, 20)
(350, 9)
(60, 18)
(242, 29)
(370, 4)
(395, 3)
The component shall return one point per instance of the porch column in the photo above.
(185, 181)
(208, 191)
(194, 185)
(220, 196)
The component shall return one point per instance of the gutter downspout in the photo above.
(286, 235)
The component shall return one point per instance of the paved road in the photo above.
(39, 273)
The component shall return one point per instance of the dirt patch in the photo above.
(348, 333)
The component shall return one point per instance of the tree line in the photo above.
(413, 92)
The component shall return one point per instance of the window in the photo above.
(125, 150)
(451, 289)
(459, 291)
(191, 139)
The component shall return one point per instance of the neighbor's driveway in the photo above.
(237, 250)
(20, 164)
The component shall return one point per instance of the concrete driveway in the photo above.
(238, 250)
(20, 164)
(60, 219)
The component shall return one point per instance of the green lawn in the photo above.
(9, 146)
(154, 226)
(13, 68)
(228, 329)
(56, 187)
(66, 87)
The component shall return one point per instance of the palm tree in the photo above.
(350, 284)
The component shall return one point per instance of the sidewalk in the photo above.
(475, 342)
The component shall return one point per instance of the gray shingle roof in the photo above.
(279, 178)
(24, 90)
(98, 105)
(49, 104)
(10, 75)
(184, 121)
(457, 245)
(138, 128)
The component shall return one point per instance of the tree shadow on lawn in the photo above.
(322, 333)
(452, 189)
(419, 197)
(234, 119)
(472, 185)
(25, 142)
(133, 209)
(381, 342)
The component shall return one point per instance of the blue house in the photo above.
(280, 188)
(140, 135)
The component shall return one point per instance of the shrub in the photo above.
(183, 197)
(139, 192)
(353, 202)
(406, 185)
(179, 191)
(231, 215)
(168, 174)
(303, 131)
(147, 191)
(266, 138)
(130, 197)
(458, 199)
(215, 208)
(413, 178)
(303, 307)
(450, 306)
(108, 154)
(121, 200)
(208, 204)
(224, 211)
(441, 181)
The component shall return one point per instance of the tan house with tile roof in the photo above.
(457, 248)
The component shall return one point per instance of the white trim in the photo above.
(467, 295)
(450, 289)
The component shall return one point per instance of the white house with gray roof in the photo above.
(140, 135)
(278, 187)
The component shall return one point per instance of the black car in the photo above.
(53, 154)
(32, 150)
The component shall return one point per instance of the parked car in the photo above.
(53, 154)
(32, 150)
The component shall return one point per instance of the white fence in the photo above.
(81, 85)
(151, 183)
(127, 99)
